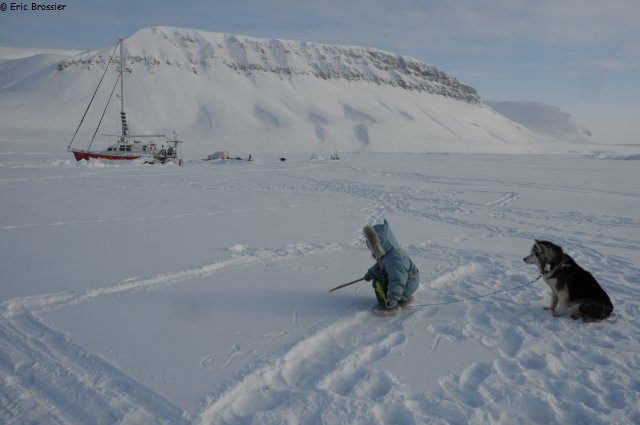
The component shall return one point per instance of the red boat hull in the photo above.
(80, 155)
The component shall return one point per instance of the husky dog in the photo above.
(573, 289)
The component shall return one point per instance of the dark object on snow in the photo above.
(346, 284)
(573, 289)
(283, 159)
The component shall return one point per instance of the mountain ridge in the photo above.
(248, 95)
(249, 54)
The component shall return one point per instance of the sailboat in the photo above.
(128, 146)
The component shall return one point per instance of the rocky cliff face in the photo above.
(201, 52)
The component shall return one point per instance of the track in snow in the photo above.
(342, 365)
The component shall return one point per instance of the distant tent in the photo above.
(219, 155)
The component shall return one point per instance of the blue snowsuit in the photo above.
(394, 271)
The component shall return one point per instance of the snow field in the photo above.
(198, 294)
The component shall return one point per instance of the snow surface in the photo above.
(136, 294)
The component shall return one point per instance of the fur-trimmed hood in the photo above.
(393, 265)
(380, 239)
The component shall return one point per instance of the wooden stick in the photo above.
(346, 284)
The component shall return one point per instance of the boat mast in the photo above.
(93, 97)
(123, 116)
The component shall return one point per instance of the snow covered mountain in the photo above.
(18, 64)
(244, 94)
(542, 118)
(15, 70)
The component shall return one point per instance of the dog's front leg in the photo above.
(554, 301)
(562, 299)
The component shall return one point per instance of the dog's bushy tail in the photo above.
(594, 311)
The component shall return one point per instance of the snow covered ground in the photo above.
(138, 294)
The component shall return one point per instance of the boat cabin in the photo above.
(137, 147)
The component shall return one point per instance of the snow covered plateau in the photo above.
(232, 92)
(197, 294)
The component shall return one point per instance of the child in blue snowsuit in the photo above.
(395, 277)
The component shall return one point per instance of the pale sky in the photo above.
(582, 56)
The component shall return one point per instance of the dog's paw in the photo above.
(576, 315)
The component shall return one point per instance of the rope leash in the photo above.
(478, 296)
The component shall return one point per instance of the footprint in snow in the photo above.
(511, 342)
(472, 377)
(374, 386)
(210, 361)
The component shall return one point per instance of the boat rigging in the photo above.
(128, 146)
